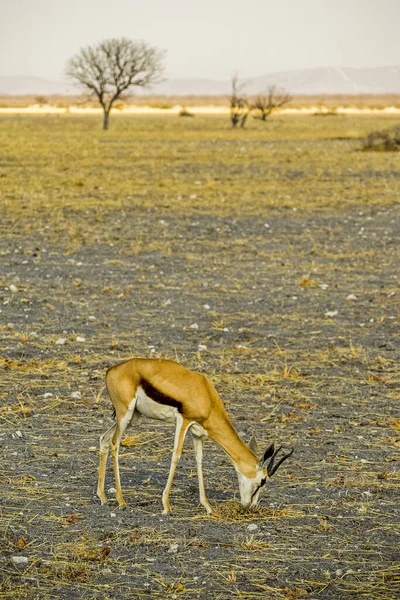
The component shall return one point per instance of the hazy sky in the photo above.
(204, 38)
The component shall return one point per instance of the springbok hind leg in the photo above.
(115, 443)
(104, 448)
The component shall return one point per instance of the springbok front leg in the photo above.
(198, 449)
(182, 426)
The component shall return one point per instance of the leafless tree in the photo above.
(112, 67)
(239, 109)
(264, 105)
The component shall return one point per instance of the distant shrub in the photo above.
(120, 105)
(185, 113)
(326, 112)
(382, 141)
(41, 100)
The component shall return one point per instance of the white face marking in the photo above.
(154, 410)
(250, 488)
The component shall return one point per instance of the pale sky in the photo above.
(204, 38)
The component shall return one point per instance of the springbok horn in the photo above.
(271, 468)
(269, 452)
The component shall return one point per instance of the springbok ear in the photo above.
(253, 445)
(268, 453)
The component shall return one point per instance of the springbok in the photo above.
(165, 390)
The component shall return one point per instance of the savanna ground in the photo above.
(266, 258)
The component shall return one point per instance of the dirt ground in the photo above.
(267, 259)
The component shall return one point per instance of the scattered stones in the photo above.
(20, 560)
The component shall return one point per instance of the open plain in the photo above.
(266, 258)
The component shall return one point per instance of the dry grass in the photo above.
(280, 244)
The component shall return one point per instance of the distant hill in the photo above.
(380, 80)
(328, 80)
(27, 85)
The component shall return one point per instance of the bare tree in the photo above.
(109, 69)
(266, 104)
(239, 109)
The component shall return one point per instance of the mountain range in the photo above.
(326, 80)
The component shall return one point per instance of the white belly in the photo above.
(154, 410)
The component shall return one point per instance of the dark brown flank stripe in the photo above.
(158, 396)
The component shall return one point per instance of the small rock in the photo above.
(113, 515)
(80, 339)
(76, 395)
(173, 548)
(13, 288)
(252, 527)
(60, 341)
(20, 560)
(351, 297)
(202, 347)
(390, 346)
(111, 490)
(331, 313)
(194, 326)
(18, 433)
(47, 395)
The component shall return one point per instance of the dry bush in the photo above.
(185, 113)
(387, 140)
(265, 105)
